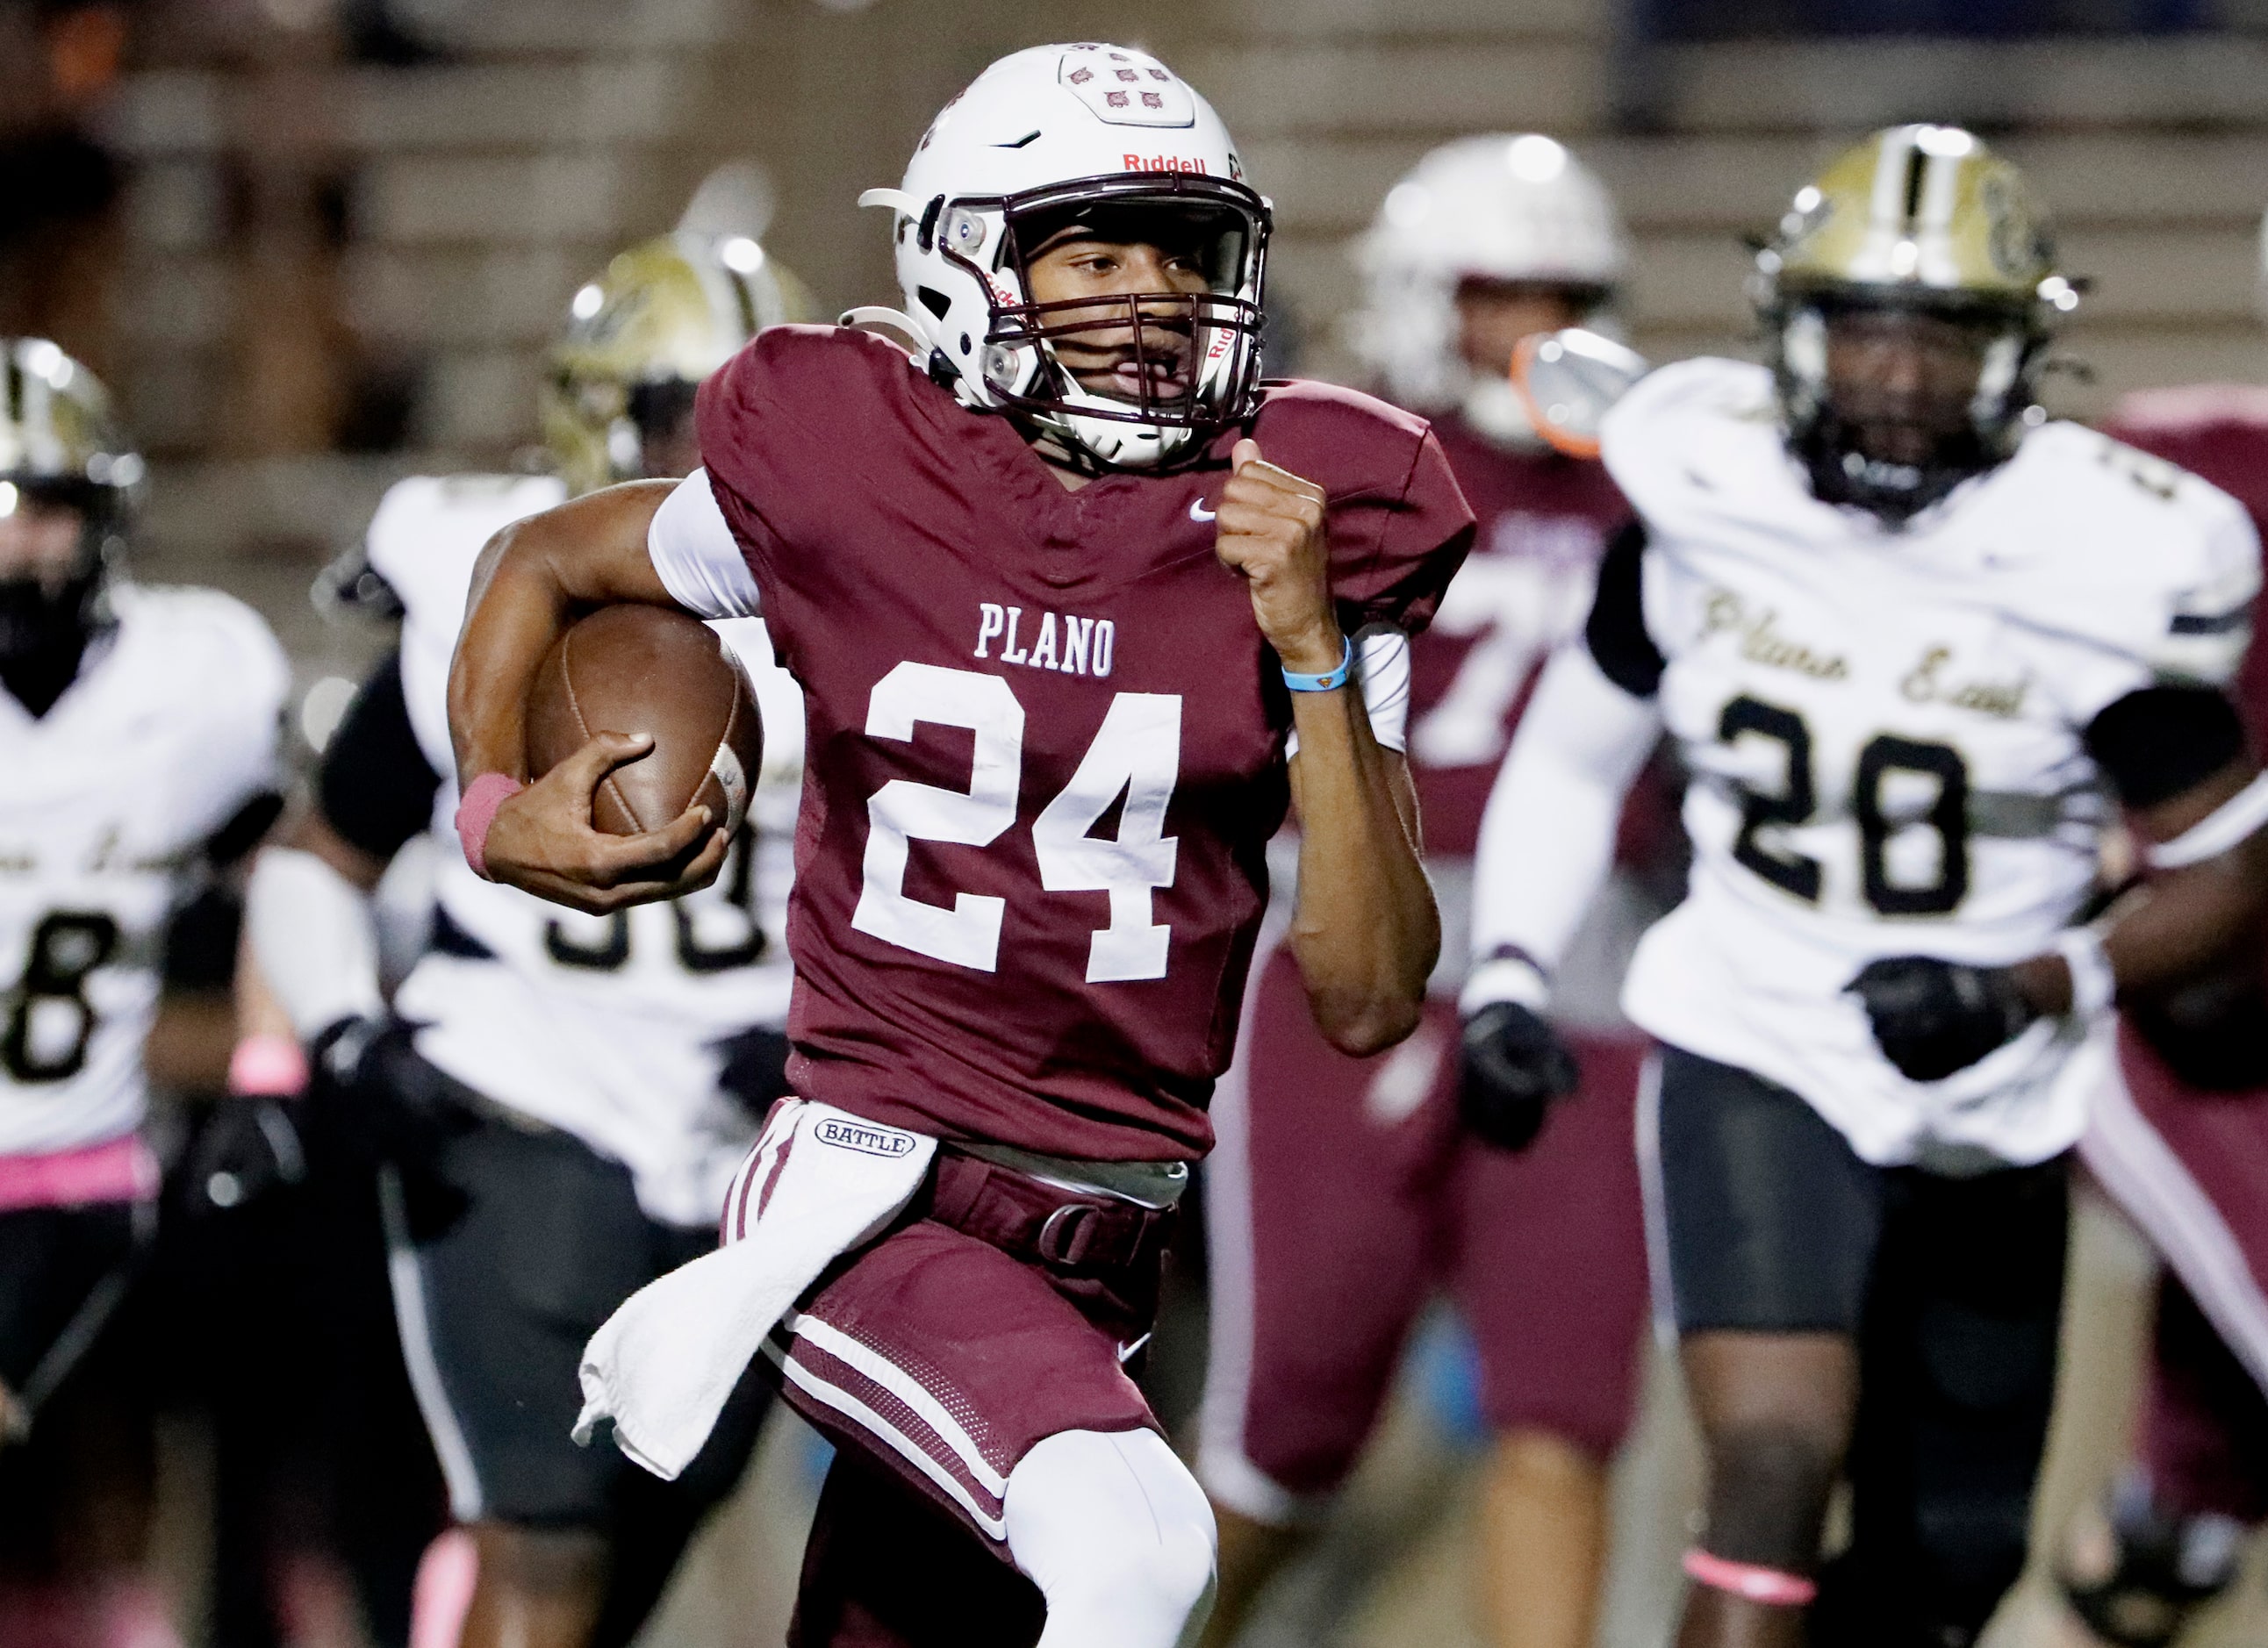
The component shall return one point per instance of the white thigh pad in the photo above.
(1117, 1535)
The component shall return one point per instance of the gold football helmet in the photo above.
(1925, 224)
(641, 337)
(60, 445)
(58, 433)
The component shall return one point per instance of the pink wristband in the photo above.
(1769, 1585)
(477, 811)
(268, 1066)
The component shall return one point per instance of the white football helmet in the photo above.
(1507, 207)
(1043, 138)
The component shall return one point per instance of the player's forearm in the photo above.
(2190, 920)
(1365, 933)
(310, 941)
(2187, 920)
(1547, 839)
(533, 579)
(190, 1040)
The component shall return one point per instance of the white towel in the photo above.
(820, 1182)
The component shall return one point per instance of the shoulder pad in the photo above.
(2163, 563)
(429, 530)
(795, 361)
(1700, 437)
(1350, 444)
(215, 649)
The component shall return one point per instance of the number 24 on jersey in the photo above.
(1136, 752)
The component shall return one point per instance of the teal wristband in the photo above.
(1329, 680)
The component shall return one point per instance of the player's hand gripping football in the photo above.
(1270, 531)
(1514, 1066)
(543, 841)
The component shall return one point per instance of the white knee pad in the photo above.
(1118, 1537)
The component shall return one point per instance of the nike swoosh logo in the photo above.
(1199, 512)
(1127, 1352)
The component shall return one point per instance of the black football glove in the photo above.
(1933, 1018)
(380, 1100)
(1514, 1066)
(754, 1073)
(247, 1148)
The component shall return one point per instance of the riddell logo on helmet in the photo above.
(1161, 163)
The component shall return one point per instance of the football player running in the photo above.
(565, 1096)
(138, 737)
(1906, 631)
(1064, 585)
(2180, 1137)
(1345, 1191)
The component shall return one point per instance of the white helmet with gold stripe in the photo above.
(1926, 223)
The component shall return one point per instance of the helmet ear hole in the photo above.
(933, 300)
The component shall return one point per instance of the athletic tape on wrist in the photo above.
(2094, 985)
(2219, 830)
(268, 1066)
(1770, 1586)
(477, 811)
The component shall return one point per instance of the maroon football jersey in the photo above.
(1544, 521)
(2218, 431)
(1045, 746)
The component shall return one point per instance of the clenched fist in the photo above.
(1271, 532)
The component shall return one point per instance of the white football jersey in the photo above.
(1884, 731)
(605, 1027)
(169, 728)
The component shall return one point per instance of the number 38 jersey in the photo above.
(105, 803)
(1046, 745)
(607, 1028)
(1885, 734)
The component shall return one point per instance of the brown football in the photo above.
(647, 669)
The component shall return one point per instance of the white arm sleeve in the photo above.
(1547, 836)
(314, 939)
(697, 556)
(1383, 666)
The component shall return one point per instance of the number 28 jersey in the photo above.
(1885, 734)
(106, 804)
(1045, 741)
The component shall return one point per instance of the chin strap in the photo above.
(1840, 474)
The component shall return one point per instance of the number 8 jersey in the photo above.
(106, 803)
(1886, 732)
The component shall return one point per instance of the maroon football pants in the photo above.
(934, 1360)
(1344, 1194)
(2191, 1168)
(2205, 1422)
